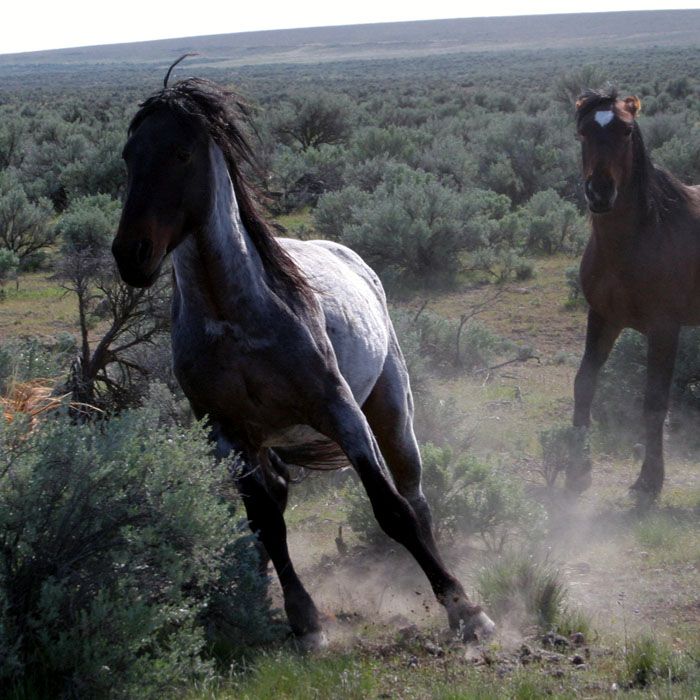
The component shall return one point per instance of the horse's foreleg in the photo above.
(276, 475)
(266, 519)
(600, 338)
(345, 423)
(661, 357)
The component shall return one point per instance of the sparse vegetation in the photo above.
(456, 174)
(468, 498)
(521, 585)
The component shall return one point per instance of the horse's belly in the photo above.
(292, 436)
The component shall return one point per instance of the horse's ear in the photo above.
(579, 102)
(633, 105)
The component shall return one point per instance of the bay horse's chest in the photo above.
(640, 285)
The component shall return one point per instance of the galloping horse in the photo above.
(640, 269)
(277, 342)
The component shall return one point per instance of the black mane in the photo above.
(204, 105)
(661, 191)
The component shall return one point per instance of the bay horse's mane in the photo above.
(202, 104)
(660, 191)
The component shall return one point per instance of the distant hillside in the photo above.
(392, 40)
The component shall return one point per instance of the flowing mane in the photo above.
(659, 190)
(202, 104)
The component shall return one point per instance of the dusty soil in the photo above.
(622, 585)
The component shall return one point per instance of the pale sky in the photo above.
(32, 25)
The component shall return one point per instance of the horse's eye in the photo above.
(183, 154)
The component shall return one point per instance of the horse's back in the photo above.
(354, 306)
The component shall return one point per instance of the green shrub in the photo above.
(564, 449)
(445, 343)
(520, 584)
(8, 264)
(117, 544)
(619, 400)
(334, 211)
(648, 660)
(573, 282)
(552, 225)
(22, 361)
(501, 265)
(467, 498)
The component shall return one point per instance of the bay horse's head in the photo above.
(607, 129)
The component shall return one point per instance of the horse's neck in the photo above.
(218, 269)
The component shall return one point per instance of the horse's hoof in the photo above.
(643, 495)
(576, 484)
(478, 628)
(312, 641)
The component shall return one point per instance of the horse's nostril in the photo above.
(143, 251)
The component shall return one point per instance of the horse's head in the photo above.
(606, 126)
(168, 193)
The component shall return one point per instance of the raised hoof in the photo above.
(312, 641)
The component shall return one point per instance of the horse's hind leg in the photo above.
(661, 357)
(389, 410)
(344, 422)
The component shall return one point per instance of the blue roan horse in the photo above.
(277, 342)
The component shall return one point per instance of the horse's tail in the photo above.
(321, 455)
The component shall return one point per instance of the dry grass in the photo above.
(30, 399)
(38, 308)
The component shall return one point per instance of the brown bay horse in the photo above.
(640, 269)
(276, 342)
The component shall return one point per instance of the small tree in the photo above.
(312, 119)
(552, 224)
(8, 265)
(131, 316)
(570, 85)
(24, 224)
(13, 129)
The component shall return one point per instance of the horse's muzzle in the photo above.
(135, 261)
(600, 195)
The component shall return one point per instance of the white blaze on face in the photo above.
(604, 116)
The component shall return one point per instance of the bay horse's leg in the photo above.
(662, 344)
(389, 410)
(600, 338)
(344, 422)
